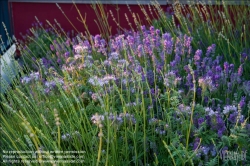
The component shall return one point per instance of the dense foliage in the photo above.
(145, 97)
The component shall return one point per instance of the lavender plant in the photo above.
(221, 25)
(145, 97)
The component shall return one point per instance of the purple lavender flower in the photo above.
(220, 121)
(131, 40)
(157, 31)
(143, 28)
(47, 90)
(100, 44)
(150, 77)
(227, 109)
(59, 61)
(140, 50)
(213, 151)
(86, 45)
(184, 109)
(45, 62)
(189, 81)
(94, 96)
(242, 101)
(162, 56)
(152, 30)
(79, 49)
(207, 83)
(208, 120)
(179, 48)
(67, 42)
(95, 81)
(210, 50)
(226, 67)
(154, 92)
(173, 64)
(243, 57)
(199, 91)
(196, 143)
(233, 117)
(113, 56)
(229, 87)
(66, 54)
(167, 43)
(102, 48)
(34, 75)
(147, 45)
(240, 70)
(50, 84)
(97, 40)
(210, 73)
(200, 121)
(166, 36)
(217, 61)
(108, 78)
(170, 79)
(159, 68)
(177, 59)
(209, 111)
(187, 44)
(218, 69)
(25, 80)
(235, 78)
(205, 150)
(197, 56)
(220, 133)
(186, 68)
(52, 48)
(231, 67)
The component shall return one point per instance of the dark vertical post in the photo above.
(5, 17)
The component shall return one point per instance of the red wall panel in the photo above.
(24, 15)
